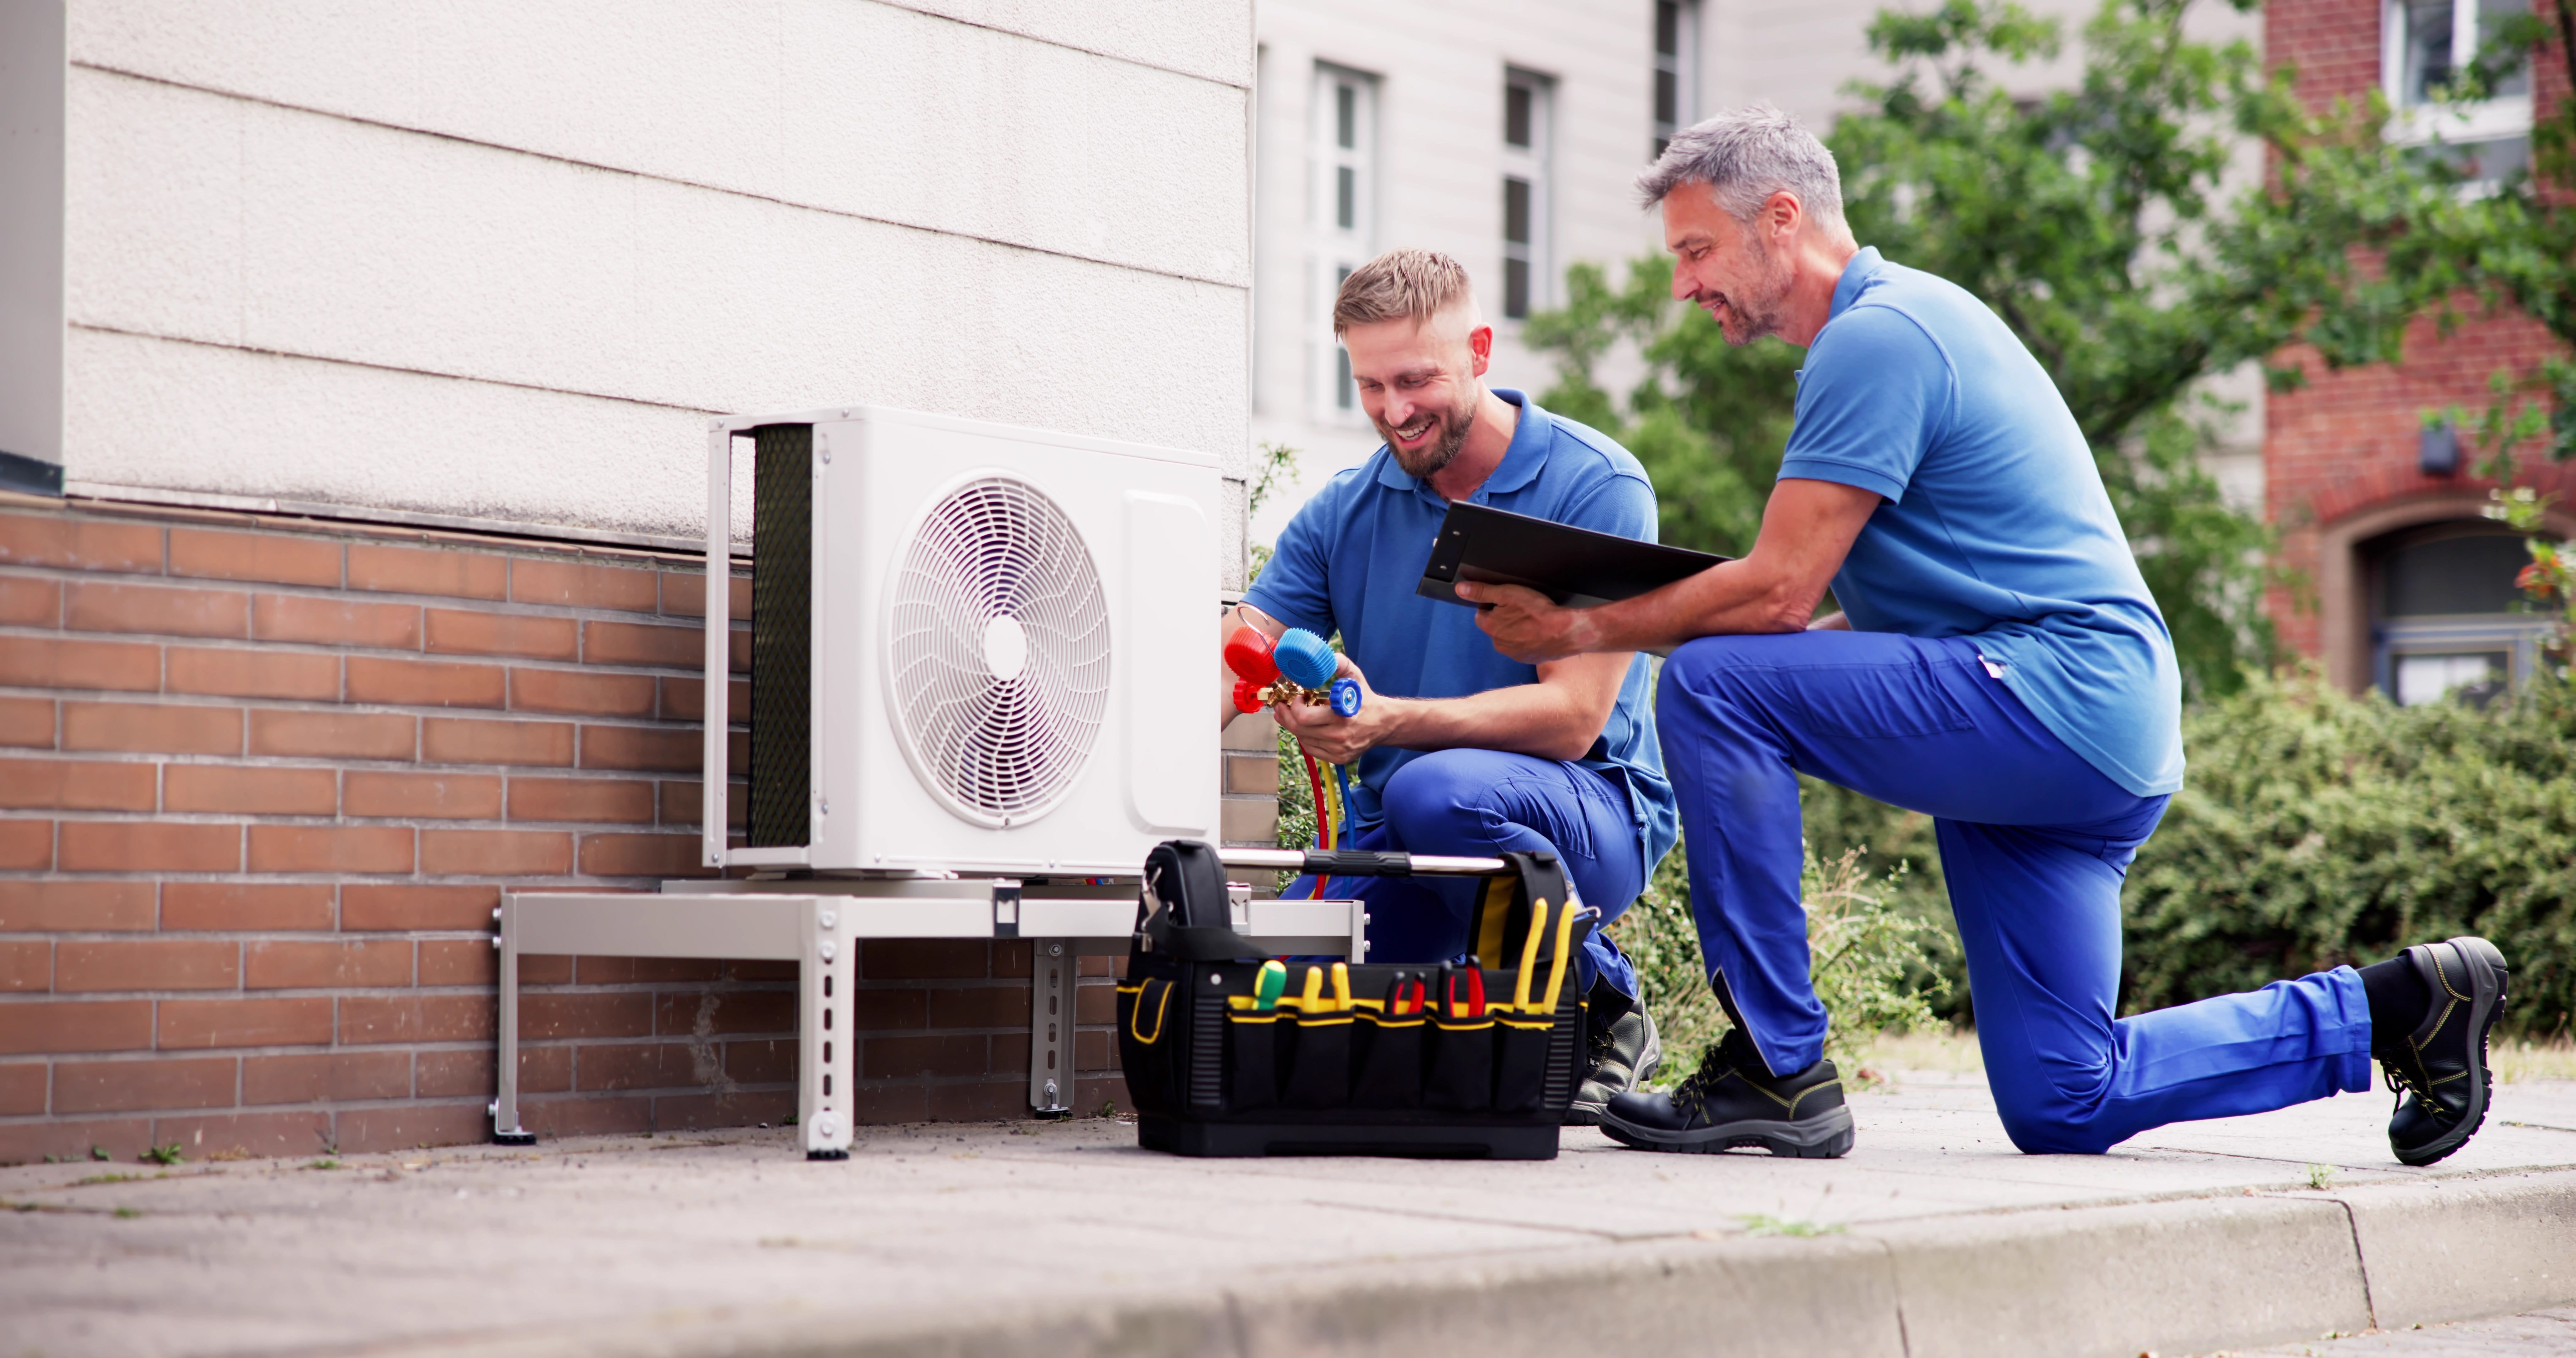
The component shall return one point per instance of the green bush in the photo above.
(2316, 829)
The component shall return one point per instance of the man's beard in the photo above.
(1454, 427)
(1758, 315)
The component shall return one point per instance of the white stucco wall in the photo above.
(501, 261)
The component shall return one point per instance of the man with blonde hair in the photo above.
(1459, 749)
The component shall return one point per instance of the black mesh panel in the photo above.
(782, 633)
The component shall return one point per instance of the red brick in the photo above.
(332, 735)
(647, 970)
(767, 1062)
(418, 907)
(244, 906)
(75, 785)
(577, 585)
(417, 570)
(27, 723)
(907, 1057)
(157, 610)
(617, 801)
(263, 791)
(686, 699)
(22, 1089)
(727, 1108)
(925, 959)
(596, 1116)
(150, 846)
(738, 654)
(326, 1078)
(240, 673)
(318, 848)
(637, 1065)
(298, 1022)
(126, 1086)
(276, 558)
(206, 1136)
(458, 961)
(27, 1142)
(75, 1026)
(723, 1013)
(78, 544)
(27, 602)
(27, 845)
(878, 1106)
(654, 749)
(457, 632)
(281, 965)
(581, 692)
(424, 796)
(147, 964)
(641, 856)
(543, 1015)
(161, 728)
(1004, 1006)
(996, 1101)
(626, 643)
(464, 740)
(684, 595)
(542, 1070)
(26, 964)
(880, 1010)
(412, 1126)
(49, 662)
(335, 622)
(366, 1020)
(75, 907)
(426, 683)
(495, 853)
(681, 804)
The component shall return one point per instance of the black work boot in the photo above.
(2439, 1071)
(1624, 1052)
(1734, 1100)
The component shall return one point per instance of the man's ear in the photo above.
(1480, 347)
(1784, 214)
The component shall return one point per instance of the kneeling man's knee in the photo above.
(1440, 798)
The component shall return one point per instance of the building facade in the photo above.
(2396, 582)
(356, 385)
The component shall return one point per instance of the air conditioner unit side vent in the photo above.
(782, 633)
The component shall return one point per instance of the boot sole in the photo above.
(2485, 965)
(1826, 1136)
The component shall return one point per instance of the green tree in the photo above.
(2102, 225)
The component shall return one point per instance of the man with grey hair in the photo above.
(1999, 665)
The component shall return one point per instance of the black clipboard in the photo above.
(1576, 567)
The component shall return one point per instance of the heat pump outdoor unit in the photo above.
(976, 649)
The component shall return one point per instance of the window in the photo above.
(1676, 68)
(2424, 43)
(1343, 218)
(2445, 616)
(1525, 137)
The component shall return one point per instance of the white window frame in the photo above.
(1682, 63)
(1337, 249)
(2504, 118)
(1528, 164)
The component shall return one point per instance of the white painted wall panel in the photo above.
(1179, 35)
(853, 106)
(153, 202)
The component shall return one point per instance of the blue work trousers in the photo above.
(2035, 843)
(1478, 803)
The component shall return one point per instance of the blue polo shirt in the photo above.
(1995, 524)
(1350, 559)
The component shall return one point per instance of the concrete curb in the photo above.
(2175, 1276)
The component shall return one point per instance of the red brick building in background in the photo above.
(2398, 581)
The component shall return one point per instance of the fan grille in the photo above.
(997, 719)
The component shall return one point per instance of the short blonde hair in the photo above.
(1400, 284)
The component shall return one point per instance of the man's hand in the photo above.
(1528, 626)
(1336, 739)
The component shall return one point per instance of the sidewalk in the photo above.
(1933, 1237)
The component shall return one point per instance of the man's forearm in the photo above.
(1730, 598)
(1523, 719)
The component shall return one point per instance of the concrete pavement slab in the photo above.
(1934, 1236)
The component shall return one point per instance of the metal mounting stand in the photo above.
(1053, 968)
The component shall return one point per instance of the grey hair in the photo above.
(1745, 155)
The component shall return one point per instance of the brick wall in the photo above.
(261, 785)
(2346, 444)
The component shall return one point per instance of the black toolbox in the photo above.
(1435, 1061)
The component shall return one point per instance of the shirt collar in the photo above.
(1521, 462)
(1855, 274)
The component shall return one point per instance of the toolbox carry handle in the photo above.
(1365, 863)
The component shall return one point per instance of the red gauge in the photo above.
(1247, 653)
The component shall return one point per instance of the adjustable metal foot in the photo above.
(514, 1138)
(827, 1155)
